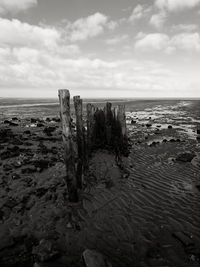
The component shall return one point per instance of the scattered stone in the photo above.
(5, 237)
(172, 140)
(198, 186)
(183, 238)
(185, 157)
(27, 132)
(13, 123)
(17, 142)
(14, 119)
(93, 258)
(30, 169)
(33, 120)
(198, 129)
(133, 121)
(39, 124)
(42, 164)
(56, 119)
(15, 176)
(49, 130)
(148, 124)
(7, 167)
(45, 251)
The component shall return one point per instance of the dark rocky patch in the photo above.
(185, 157)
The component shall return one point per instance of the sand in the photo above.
(146, 214)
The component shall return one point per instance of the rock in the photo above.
(185, 157)
(198, 186)
(10, 203)
(27, 132)
(13, 123)
(33, 120)
(39, 124)
(30, 169)
(1, 215)
(7, 167)
(153, 144)
(28, 144)
(49, 130)
(172, 140)
(42, 163)
(164, 140)
(15, 176)
(6, 122)
(41, 191)
(93, 258)
(198, 129)
(14, 119)
(133, 122)
(148, 124)
(56, 119)
(5, 237)
(169, 126)
(183, 238)
(17, 141)
(45, 251)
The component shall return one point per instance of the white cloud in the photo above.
(157, 20)
(185, 27)
(162, 42)
(117, 39)
(139, 12)
(174, 5)
(88, 27)
(23, 68)
(14, 32)
(14, 6)
(153, 41)
(186, 41)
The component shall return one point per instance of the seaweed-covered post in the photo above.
(69, 157)
(80, 139)
(90, 125)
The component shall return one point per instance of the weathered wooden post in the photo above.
(90, 125)
(198, 131)
(121, 116)
(108, 117)
(69, 154)
(78, 105)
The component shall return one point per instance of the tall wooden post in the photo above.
(108, 116)
(90, 125)
(80, 139)
(121, 116)
(69, 157)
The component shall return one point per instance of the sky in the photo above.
(100, 48)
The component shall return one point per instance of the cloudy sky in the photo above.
(100, 48)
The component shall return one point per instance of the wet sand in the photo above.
(146, 214)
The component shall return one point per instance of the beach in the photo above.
(146, 214)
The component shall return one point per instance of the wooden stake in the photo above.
(108, 116)
(121, 116)
(80, 139)
(69, 157)
(90, 125)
